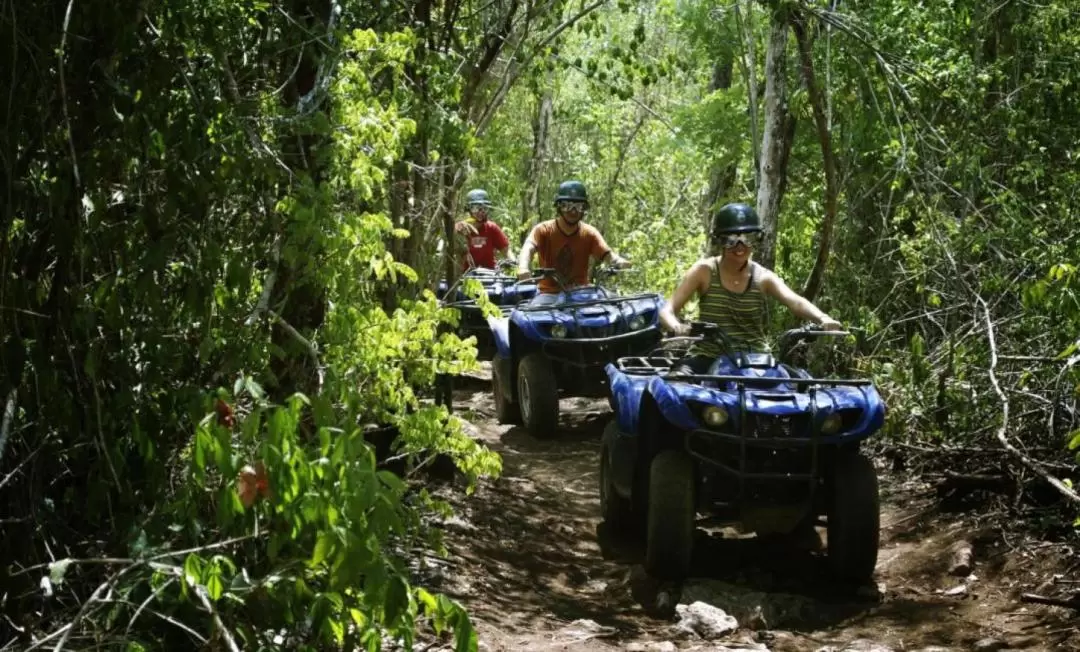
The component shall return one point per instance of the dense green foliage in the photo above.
(218, 231)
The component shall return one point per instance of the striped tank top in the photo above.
(743, 315)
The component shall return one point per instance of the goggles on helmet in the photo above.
(732, 240)
(571, 206)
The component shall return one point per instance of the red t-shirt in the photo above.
(568, 254)
(489, 238)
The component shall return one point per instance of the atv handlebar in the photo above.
(796, 335)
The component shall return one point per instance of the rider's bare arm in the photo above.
(615, 260)
(802, 307)
(525, 257)
(696, 282)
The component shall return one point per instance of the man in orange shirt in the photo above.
(566, 244)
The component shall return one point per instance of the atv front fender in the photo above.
(672, 407)
(500, 330)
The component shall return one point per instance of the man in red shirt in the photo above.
(566, 243)
(485, 242)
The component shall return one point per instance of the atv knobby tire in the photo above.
(854, 519)
(617, 512)
(670, 532)
(538, 396)
(505, 410)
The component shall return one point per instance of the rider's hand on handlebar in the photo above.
(464, 228)
(524, 275)
(830, 324)
(681, 330)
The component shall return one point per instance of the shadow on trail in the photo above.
(532, 532)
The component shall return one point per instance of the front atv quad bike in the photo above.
(854, 518)
(557, 346)
(670, 536)
(754, 442)
(617, 512)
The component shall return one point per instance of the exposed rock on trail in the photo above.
(532, 564)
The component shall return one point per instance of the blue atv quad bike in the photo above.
(754, 442)
(502, 290)
(547, 349)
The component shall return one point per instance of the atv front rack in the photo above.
(756, 437)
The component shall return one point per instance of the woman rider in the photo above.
(732, 290)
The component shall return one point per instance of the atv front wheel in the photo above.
(617, 512)
(538, 396)
(854, 519)
(505, 410)
(670, 536)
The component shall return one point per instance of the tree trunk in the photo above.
(775, 142)
(530, 206)
(749, 67)
(722, 174)
(817, 104)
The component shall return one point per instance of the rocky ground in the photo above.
(530, 561)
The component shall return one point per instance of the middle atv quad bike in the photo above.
(754, 442)
(502, 289)
(560, 348)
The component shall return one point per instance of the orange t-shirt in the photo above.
(567, 254)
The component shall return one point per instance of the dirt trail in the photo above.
(528, 560)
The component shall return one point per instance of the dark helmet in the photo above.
(571, 191)
(735, 218)
(477, 196)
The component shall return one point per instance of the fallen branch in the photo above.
(8, 419)
(312, 352)
(1053, 602)
(205, 600)
(1030, 463)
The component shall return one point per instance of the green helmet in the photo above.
(571, 191)
(735, 218)
(477, 196)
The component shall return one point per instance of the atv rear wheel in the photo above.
(670, 536)
(617, 512)
(505, 410)
(854, 519)
(538, 396)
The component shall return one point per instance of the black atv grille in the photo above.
(599, 331)
(769, 426)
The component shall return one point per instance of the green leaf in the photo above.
(392, 481)
(214, 586)
(253, 388)
(465, 639)
(57, 571)
(192, 569)
(1074, 440)
(324, 545)
(397, 599)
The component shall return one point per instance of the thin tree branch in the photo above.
(1030, 463)
(63, 92)
(205, 600)
(5, 423)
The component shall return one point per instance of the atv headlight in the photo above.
(831, 424)
(637, 322)
(714, 416)
(558, 331)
